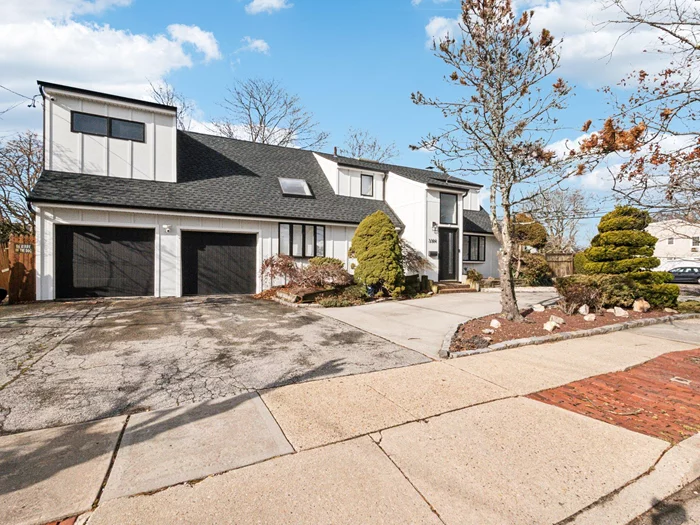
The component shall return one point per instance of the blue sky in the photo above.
(353, 64)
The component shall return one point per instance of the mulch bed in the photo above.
(659, 398)
(469, 336)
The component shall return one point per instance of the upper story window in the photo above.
(367, 186)
(448, 208)
(696, 241)
(297, 187)
(670, 240)
(107, 127)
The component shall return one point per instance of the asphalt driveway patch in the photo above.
(97, 359)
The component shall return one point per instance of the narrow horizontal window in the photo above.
(295, 187)
(127, 130)
(107, 127)
(90, 124)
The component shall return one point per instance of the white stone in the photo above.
(641, 306)
(670, 311)
(495, 324)
(538, 308)
(619, 312)
(589, 317)
(487, 331)
(556, 319)
(584, 310)
(550, 326)
(610, 310)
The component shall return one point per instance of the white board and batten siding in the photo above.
(65, 150)
(168, 270)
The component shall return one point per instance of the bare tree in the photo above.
(263, 111)
(361, 145)
(501, 125)
(21, 163)
(164, 93)
(560, 212)
(662, 171)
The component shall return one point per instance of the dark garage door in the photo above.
(104, 262)
(218, 263)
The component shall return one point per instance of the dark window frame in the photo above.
(456, 208)
(371, 186)
(481, 248)
(109, 126)
(304, 254)
(695, 241)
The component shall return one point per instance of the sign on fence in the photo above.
(17, 268)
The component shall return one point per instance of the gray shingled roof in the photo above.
(219, 175)
(477, 221)
(432, 178)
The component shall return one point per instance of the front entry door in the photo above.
(447, 270)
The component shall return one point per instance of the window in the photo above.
(448, 208)
(696, 241)
(367, 189)
(107, 127)
(302, 240)
(670, 240)
(474, 248)
(127, 130)
(90, 124)
(297, 187)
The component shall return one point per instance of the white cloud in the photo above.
(62, 49)
(256, 45)
(203, 41)
(266, 6)
(439, 27)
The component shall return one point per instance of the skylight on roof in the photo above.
(295, 187)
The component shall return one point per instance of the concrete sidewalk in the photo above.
(421, 324)
(448, 442)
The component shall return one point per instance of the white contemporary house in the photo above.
(678, 243)
(128, 205)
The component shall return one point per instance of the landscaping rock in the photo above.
(538, 308)
(495, 324)
(589, 317)
(584, 310)
(476, 341)
(550, 326)
(488, 331)
(670, 311)
(640, 305)
(619, 312)
(610, 310)
(556, 319)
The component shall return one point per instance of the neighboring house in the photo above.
(678, 243)
(128, 205)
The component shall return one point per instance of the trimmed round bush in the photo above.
(377, 248)
(580, 261)
(624, 238)
(624, 218)
(622, 266)
(617, 253)
(536, 271)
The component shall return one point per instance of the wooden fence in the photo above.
(18, 268)
(562, 264)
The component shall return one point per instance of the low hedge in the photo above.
(608, 291)
(689, 307)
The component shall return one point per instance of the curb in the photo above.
(515, 343)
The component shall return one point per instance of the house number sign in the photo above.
(24, 248)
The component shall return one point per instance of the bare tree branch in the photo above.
(263, 111)
(164, 93)
(361, 145)
(21, 164)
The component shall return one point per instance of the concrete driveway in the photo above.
(421, 324)
(66, 363)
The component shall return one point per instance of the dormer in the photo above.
(364, 179)
(99, 134)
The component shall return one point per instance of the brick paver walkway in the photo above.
(659, 398)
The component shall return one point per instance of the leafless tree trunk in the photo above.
(164, 93)
(662, 172)
(21, 164)
(500, 127)
(263, 111)
(361, 145)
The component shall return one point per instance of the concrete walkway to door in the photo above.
(421, 324)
